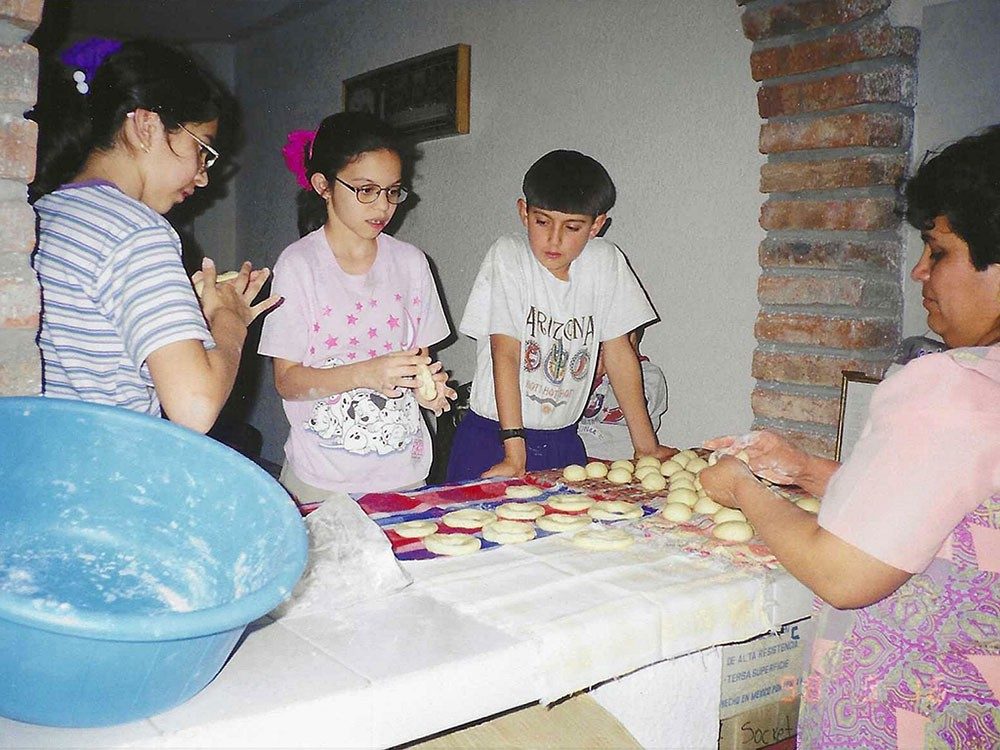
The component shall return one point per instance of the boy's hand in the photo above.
(505, 468)
(661, 453)
(439, 404)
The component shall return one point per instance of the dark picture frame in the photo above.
(856, 390)
(424, 97)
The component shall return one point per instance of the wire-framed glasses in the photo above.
(207, 154)
(395, 194)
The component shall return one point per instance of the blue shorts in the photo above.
(476, 447)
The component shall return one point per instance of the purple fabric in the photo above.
(476, 447)
(89, 54)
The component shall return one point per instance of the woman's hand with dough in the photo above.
(769, 456)
(235, 296)
(720, 481)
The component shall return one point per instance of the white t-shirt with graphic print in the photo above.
(559, 324)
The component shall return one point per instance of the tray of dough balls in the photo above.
(686, 517)
(480, 515)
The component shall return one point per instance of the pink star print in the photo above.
(351, 320)
(331, 341)
(416, 300)
(316, 327)
(387, 346)
(393, 322)
(399, 297)
(312, 349)
(372, 353)
(373, 303)
(359, 306)
(326, 311)
(352, 355)
(353, 341)
(373, 333)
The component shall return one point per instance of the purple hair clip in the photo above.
(86, 57)
(294, 152)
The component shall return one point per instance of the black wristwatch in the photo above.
(517, 432)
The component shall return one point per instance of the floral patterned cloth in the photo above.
(921, 668)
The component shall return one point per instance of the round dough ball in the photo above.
(670, 467)
(570, 503)
(707, 505)
(522, 491)
(733, 531)
(603, 539)
(728, 514)
(683, 495)
(520, 511)
(415, 529)
(574, 473)
(647, 461)
(810, 504)
(654, 481)
(623, 464)
(682, 474)
(642, 471)
(614, 510)
(452, 544)
(468, 518)
(696, 464)
(508, 532)
(619, 476)
(681, 460)
(688, 454)
(677, 512)
(560, 522)
(676, 484)
(596, 470)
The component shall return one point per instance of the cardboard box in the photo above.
(761, 678)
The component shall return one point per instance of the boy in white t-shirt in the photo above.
(540, 309)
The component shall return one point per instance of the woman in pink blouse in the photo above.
(904, 555)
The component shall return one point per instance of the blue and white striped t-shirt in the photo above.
(114, 290)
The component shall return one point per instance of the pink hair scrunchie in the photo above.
(294, 152)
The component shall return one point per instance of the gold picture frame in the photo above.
(856, 390)
(424, 97)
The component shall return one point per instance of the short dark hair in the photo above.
(569, 182)
(962, 183)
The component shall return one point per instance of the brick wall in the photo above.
(20, 367)
(838, 86)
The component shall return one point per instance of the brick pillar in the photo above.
(838, 85)
(20, 366)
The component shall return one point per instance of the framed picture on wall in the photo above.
(856, 390)
(425, 97)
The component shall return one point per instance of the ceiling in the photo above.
(182, 20)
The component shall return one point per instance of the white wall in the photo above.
(958, 79)
(660, 92)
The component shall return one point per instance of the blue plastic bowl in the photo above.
(133, 554)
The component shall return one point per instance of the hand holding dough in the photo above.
(427, 388)
(222, 278)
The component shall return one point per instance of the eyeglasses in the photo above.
(208, 155)
(395, 194)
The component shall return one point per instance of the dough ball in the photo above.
(728, 514)
(733, 531)
(687, 454)
(707, 505)
(614, 510)
(647, 461)
(696, 464)
(522, 491)
(415, 529)
(427, 387)
(508, 532)
(603, 539)
(670, 467)
(642, 471)
(623, 464)
(654, 481)
(520, 511)
(677, 512)
(570, 503)
(596, 470)
(713, 458)
(810, 504)
(676, 484)
(468, 518)
(619, 476)
(683, 495)
(682, 474)
(452, 544)
(560, 522)
(574, 473)
(744, 457)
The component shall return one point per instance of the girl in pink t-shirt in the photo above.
(360, 311)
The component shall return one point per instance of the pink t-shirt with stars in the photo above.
(358, 441)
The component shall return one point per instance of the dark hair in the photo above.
(341, 139)
(569, 182)
(143, 74)
(962, 183)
